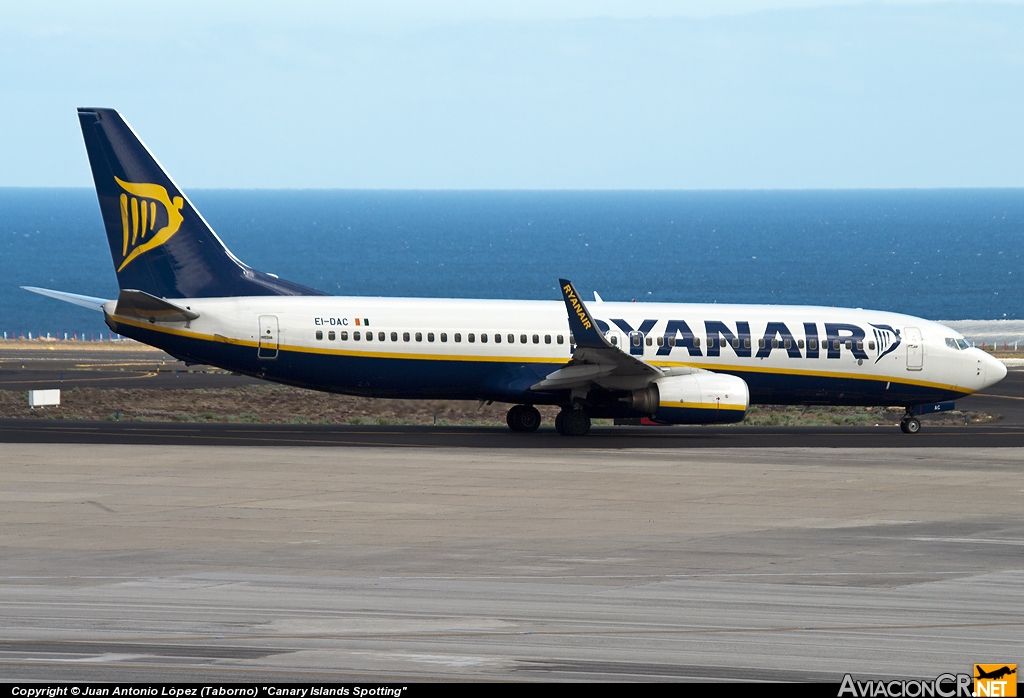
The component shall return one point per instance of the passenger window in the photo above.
(394, 336)
(369, 336)
(430, 336)
(800, 344)
(471, 337)
(319, 334)
(571, 339)
(736, 343)
(860, 346)
(444, 336)
(522, 339)
(483, 338)
(497, 338)
(330, 335)
(380, 336)
(671, 341)
(536, 339)
(511, 339)
(849, 344)
(711, 342)
(405, 336)
(614, 340)
(775, 344)
(355, 335)
(560, 339)
(636, 339)
(458, 336)
(419, 336)
(812, 344)
(547, 339)
(696, 341)
(788, 344)
(661, 341)
(650, 341)
(871, 346)
(746, 343)
(835, 344)
(760, 343)
(344, 336)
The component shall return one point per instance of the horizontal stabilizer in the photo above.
(90, 302)
(142, 305)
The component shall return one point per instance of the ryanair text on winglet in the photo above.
(577, 306)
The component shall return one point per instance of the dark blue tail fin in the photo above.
(159, 242)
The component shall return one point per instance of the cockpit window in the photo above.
(963, 344)
(951, 343)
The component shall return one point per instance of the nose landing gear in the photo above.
(523, 418)
(910, 424)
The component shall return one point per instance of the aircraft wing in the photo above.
(595, 359)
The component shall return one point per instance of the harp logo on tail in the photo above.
(149, 217)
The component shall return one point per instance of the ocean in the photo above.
(939, 254)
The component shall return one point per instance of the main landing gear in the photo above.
(570, 422)
(910, 424)
(523, 418)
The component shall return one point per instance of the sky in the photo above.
(392, 94)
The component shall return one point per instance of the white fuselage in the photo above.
(497, 349)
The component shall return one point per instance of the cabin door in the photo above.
(915, 349)
(269, 333)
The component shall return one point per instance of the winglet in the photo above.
(581, 323)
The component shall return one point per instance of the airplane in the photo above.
(182, 290)
(994, 674)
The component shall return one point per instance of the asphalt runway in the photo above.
(187, 552)
(213, 563)
(68, 368)
(82, 367)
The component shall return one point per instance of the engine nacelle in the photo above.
(701, 397)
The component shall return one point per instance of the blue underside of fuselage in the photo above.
(509, 381)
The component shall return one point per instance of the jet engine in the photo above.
(701, 397)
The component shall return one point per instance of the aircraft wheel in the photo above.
(575, 423)
(512, 418)
(910, 425)
(523, 418)
(560, 422)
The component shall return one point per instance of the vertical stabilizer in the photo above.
(159, 242)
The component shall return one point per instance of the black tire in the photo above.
(529, 418)
(512, 418)
(523, 418)
(560, 422)
(576, 423)
(913, 425)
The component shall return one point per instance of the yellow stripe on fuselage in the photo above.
(725, 368)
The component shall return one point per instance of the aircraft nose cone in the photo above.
(995, 370)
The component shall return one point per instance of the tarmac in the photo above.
(183, 552)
